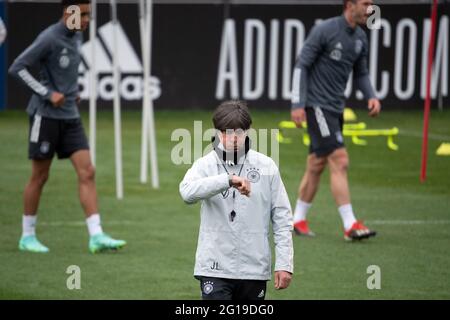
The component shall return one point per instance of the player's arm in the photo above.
(281, 216)
(311, 49)
(36, 52)
(362, 81)
(196, 185)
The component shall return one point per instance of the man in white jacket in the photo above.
(242, 193)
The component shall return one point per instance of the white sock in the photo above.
(301, 209)
(94, 225)
(28, 225)
(348, 218)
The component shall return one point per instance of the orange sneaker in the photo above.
(301, 228)
(358, 231)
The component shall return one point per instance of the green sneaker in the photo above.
(102, 242)
(32, 244)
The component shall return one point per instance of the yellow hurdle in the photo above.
(443, 150)
(353, 130)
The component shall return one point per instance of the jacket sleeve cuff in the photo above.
(284, 268)
(48, 95)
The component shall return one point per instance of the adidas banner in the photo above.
(205, 53)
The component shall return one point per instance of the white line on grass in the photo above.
(128, 222)
(83, 224)
(417, 134)
(407, 222)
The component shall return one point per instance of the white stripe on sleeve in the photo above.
(32, 83)
(296, 85)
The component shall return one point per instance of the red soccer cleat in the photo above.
(301, 228)
(358, 231)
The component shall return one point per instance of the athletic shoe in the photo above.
(301, 228)
(358, 231)
(32, 244)
(102, 242)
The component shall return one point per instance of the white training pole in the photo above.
(117, 117)
(147, 73)
(144, 138)
(93, 83)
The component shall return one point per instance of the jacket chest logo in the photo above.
(253, 175)
(64, 60)
(336, 53)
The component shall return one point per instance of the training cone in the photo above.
(443, 150)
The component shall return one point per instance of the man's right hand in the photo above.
(57, 99)
(298, 116)
(242, 184)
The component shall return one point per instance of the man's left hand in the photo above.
(282, 279)
(374, 107)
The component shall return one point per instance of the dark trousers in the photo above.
(232, 289)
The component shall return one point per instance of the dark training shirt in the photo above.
(57, 53)
(330, 53)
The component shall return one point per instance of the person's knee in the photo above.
(316, 166)
(87, 174)
(39, 178)
(340, 162)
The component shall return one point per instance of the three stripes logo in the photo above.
(132, 84)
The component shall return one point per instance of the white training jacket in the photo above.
(240, 249)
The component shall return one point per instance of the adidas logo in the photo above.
(131, 86)
(261, 294)
(338, 46)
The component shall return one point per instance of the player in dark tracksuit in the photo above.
(55, 125)
(334, 48)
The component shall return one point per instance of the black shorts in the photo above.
(232, 289)
(325, 130)
(47, 136)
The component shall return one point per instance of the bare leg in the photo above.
(338, 162)
(81, 161)
(33, 190)
(311, 179)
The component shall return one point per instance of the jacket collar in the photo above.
(230, 157)
(62, 28)
(344, 24)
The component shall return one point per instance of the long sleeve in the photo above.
(196, 185)
(282, 225)
(361, 74)
(310, 51)
(35, 53)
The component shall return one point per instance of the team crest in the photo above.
(208, 287)
(45, 147)
(358, 46)
(253, 175)
(64, 59)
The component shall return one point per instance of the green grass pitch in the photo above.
(412, 219)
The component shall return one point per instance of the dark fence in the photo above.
(204, 53)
